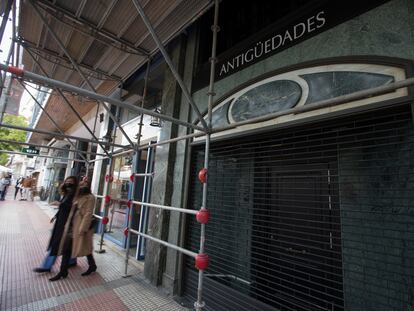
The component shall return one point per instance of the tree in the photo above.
(11, 134)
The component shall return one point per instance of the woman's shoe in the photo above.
(58, 276)
(90, 270)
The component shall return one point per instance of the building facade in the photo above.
(311, 209)
(309, 187)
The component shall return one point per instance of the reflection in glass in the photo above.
(325, 85)
(122, 170)
(219, 117)
(267, 98)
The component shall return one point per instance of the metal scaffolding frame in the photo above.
(50, 118)
(77, 68)
(205, 130)
(54, 57)
(106, 202)
(9, 141)
(91, 30)
(134, 166)
(29, 129)
(42, 156)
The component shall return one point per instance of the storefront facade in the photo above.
(311, 210)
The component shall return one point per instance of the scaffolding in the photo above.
(108, 148)
(201, 259)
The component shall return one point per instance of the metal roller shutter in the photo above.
(309, 218)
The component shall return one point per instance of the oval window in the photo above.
(267, 98)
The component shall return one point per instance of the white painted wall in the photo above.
(131, 128)
(79, 130)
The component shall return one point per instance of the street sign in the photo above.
(31, 151)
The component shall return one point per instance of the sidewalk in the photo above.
(24, 234)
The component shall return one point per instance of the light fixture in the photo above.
(156, 121)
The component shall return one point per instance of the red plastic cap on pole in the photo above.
(201, 261)
(16, 71)
(203, 215)
(105, 220)
(109, 178)
(107, 198)
(202, 175)
(132, 178)
(126, 231)
(129, 203)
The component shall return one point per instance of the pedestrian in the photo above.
(2, 186)
(27, 187)
(68, 190)
(18, 188)
(5, 183)
(77, 240)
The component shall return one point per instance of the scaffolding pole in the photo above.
(108, 178)
(76, 66)
(318, 105)
(105, 205)
(375, 91)
(3, 107)
(199, 304)
(51, 119)
(172, 246)
(9, 141)
(28, 129)
(135, 166)
(163, 142)
(166, 208)
(41, 156)
(14, 23)
(68, 87)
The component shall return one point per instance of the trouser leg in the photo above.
(91, 260)
(49, 261)
(67, 252)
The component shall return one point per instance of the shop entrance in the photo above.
(121, 192)
(58, 175)
(275, 233)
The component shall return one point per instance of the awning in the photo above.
(108, 40)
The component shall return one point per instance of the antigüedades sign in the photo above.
(282, 39)
(300, 27)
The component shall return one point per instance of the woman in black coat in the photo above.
(68, 191)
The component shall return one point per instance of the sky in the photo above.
(26, 101)
(6, 41)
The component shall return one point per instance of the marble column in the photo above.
(166, 184)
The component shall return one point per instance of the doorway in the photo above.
(296, 213)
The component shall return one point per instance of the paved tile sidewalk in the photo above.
(24, 234)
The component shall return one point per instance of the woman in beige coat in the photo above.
(77, 240)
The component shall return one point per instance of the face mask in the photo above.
(84, 190)
(68, 187)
